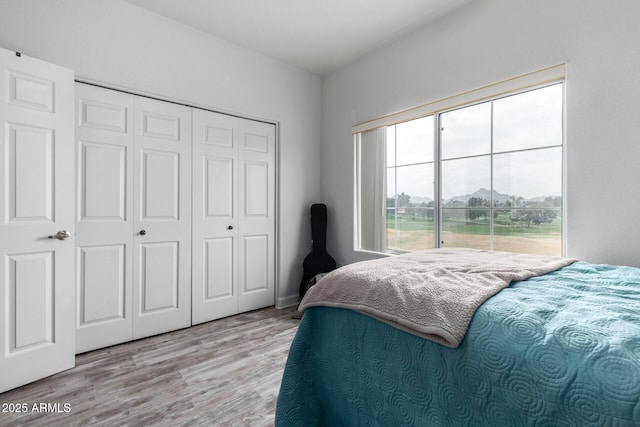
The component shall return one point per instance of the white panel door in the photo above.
(215, 207)
(104, 229)
(256, 214)
(233, 215)
(162, 217)
(37, 295)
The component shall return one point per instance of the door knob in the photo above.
(143, 232)
(230, 227)
(60, 235)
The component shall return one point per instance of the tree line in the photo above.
(517, 209)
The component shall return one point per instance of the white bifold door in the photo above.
(162, 217)
(175, 216)
(233, 215)
(104, 241)
(134, 217)
(37, 292)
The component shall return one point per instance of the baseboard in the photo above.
(287, 301)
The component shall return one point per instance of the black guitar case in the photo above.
(319, 260)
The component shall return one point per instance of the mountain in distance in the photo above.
(481, 193)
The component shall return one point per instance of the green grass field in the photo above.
(406, 233)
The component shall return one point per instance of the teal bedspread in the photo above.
(562, 349)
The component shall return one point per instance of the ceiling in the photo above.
(316, 35)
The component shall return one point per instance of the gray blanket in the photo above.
(432, 293)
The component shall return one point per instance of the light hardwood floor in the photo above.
(225, 372)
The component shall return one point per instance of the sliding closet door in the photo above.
(37, 227)
(162, 217)
(233, 215)
(104, 240)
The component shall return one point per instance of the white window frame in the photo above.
(543, 77)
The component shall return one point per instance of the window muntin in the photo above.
(492, 172)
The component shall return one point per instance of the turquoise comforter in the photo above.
(562, 349)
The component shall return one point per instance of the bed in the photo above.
(552, 349)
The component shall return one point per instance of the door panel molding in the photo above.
(30, 173)
(218, 194)
(102, 115)
(158, 277)
(103, 181)
(159, 185)
(31, 310)
(219, 274)
(31, 92)
(102, 284)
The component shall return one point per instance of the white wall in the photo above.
(488, 41)
(122, 45)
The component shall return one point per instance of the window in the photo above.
(484, 175)
(410, 195)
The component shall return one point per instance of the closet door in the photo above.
(233, 215)
(215, 207)
(104, 255)
(37, 227)
(256, 215)
(162, 217)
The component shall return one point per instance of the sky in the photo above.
(524, 127)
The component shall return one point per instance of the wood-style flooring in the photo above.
(225, 372)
